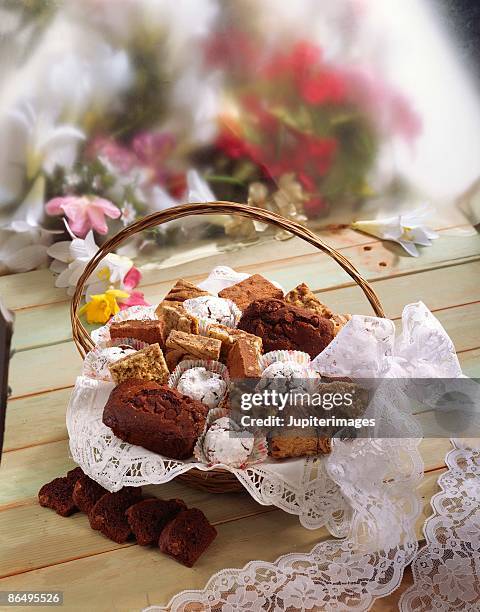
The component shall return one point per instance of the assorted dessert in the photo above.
(185, 359)
(126, 515)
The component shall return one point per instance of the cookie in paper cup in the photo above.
(202, 380)
(218, 444)
(287, 371)
(208, 309)
(299, 357)
(101, 336)
(98, 360)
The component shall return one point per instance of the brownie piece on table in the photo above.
(156, 417)
(183, 290)
(187, 536)
(151, 332)
(86, 493)
(253, 288)
(192, 346)
(146, 364)
(57, 494)
(148, 517)
(108, 514)
(174, 316)
(243, 360)
(229, 335)
(285, 327)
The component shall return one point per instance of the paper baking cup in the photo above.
(204, 322)
(210, 365)
(96, 362)
(259, 451)
(274, 356)
(131, 342)
(101, 336)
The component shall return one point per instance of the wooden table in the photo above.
(41, 550)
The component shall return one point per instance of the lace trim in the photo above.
(446, 571)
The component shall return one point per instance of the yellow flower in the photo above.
(102, 306)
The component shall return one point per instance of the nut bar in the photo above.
(303, 297)
(196, 347)
(253, 288)
(146, 364)
(228, 336)
(183, 290)
(156, 417)
(242, 360)
(187, 537)
(151, 332)
(308, 443)
(176, 317)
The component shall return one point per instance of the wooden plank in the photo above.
(470, 362)
(131, 577)
(44, 369)
(36, 419)
(44, 325)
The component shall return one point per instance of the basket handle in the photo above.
(80, 335)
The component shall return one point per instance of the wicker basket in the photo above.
(215, 480)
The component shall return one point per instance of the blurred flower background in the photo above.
(324, 112)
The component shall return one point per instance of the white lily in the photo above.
(406, 229)
(47, 144)
(70, 258)
(24, 243)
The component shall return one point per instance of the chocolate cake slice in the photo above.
(108, 514)
(57, 494)
(156, 417)
(86, 493)
(148, 517)
(187, 536)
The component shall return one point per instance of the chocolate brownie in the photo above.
(86, 493)
(242, 361)
(285, 327)
(108, 514)
(156, 417)
(151, 332)
(187, 536)
(148, 517)
(57, 494)
(253, 288)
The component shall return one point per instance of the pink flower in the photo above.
(136, 298)
(84, 212)
(132, 278)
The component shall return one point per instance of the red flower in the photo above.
(231, 144)
(323, 88)
(305, 55)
